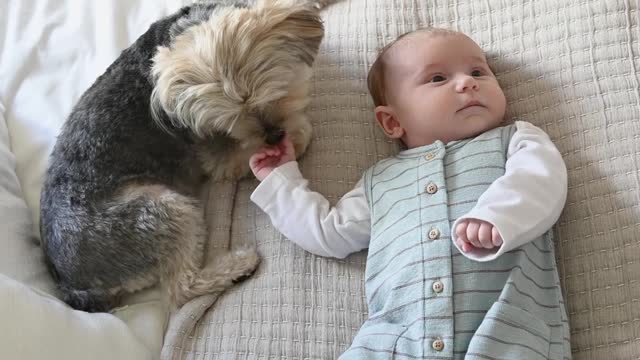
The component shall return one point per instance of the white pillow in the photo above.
(36, 326)
(20, 254)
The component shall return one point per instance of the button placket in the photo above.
(431, 194)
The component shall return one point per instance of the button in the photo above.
(432, 188)
(434, 234)
(437, 286)
(438, 345)
(430, 156)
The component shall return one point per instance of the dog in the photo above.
(191, 99)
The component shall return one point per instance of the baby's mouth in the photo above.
(471, 104)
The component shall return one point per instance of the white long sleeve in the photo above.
(307, 218)
(527, 200)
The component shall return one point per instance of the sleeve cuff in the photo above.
(266, 191)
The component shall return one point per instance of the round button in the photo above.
(432, 188)
(437, 286)
(434, 234)
(438, 345)
(430, 156)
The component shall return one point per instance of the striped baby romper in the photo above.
(426, 300)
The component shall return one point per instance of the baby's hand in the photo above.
(266, 159)
(477, 233)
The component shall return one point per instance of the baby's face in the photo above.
(440, 87)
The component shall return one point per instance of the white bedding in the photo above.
(50, 52)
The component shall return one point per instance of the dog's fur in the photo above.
(194, 96)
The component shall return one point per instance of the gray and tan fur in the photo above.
(192, 98)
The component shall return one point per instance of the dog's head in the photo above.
(243, 72)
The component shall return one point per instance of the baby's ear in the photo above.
(387, 120)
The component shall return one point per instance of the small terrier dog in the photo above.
(194, 96)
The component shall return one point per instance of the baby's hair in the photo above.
(375, 78)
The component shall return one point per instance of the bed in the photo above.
(569, 67)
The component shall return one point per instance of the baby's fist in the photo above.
(266, 159)
(477, 233)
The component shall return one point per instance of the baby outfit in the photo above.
(427, 299)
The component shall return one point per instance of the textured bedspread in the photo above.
(570, 67)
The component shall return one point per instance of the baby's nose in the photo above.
(274, 136)
(467, 83)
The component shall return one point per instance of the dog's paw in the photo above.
(226, 270)
(301, 137)
(300, 147)
(246, 261)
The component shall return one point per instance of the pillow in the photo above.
(37, 326)
(21, 257)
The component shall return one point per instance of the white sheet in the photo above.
(51, 51)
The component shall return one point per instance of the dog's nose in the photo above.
(274, 136)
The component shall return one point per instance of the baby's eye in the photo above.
(438, 78)
(476, 73)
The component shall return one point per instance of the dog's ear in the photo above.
(307, 26)
(299, 26)
(315, 4)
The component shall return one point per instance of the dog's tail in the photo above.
(90, 300)
(85, 300)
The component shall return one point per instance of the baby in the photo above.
(460, 261)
